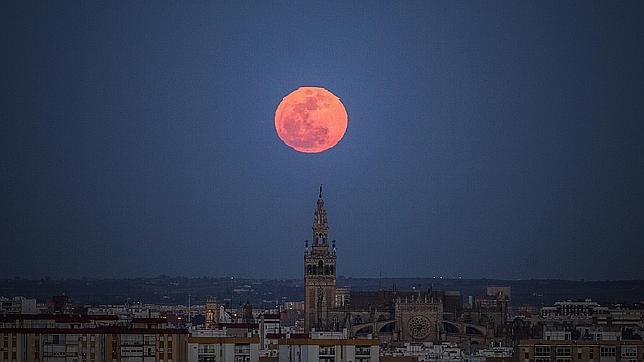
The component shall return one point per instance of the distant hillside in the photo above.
(532, 292)
(268, 293)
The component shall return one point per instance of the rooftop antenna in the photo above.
(279, 317)
(320, 191)
(189, 295)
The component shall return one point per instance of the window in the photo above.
(326, 354)
(563, 351)
(363, 353)
(629, 351)
(327, 350)
(363, 350)
(607, 352)
(541, 351)
(243, 349)
(131, 340)
(55, 339)
(150, 340)
(206, 348)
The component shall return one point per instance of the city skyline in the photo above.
(485, 140)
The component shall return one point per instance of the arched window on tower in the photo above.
(320, 267)
(308, 269)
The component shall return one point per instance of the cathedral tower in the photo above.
(319, 273)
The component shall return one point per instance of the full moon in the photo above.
(311, 120)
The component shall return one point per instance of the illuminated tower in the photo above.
(319, 273)
(212, 313)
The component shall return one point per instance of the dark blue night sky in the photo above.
(498, 139)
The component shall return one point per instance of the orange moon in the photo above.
(311, 120)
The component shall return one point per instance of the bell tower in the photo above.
(319, 273)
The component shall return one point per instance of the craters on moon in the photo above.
(311, 120)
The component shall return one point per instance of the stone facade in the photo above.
(418, 318)
(319, 273)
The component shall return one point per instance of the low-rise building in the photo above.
(579, 350)
(425, 351)
(584, 308)
(98, 338)
(18, 305)
(219, 347)
(328, 347)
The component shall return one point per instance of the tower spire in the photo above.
(320, 224)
